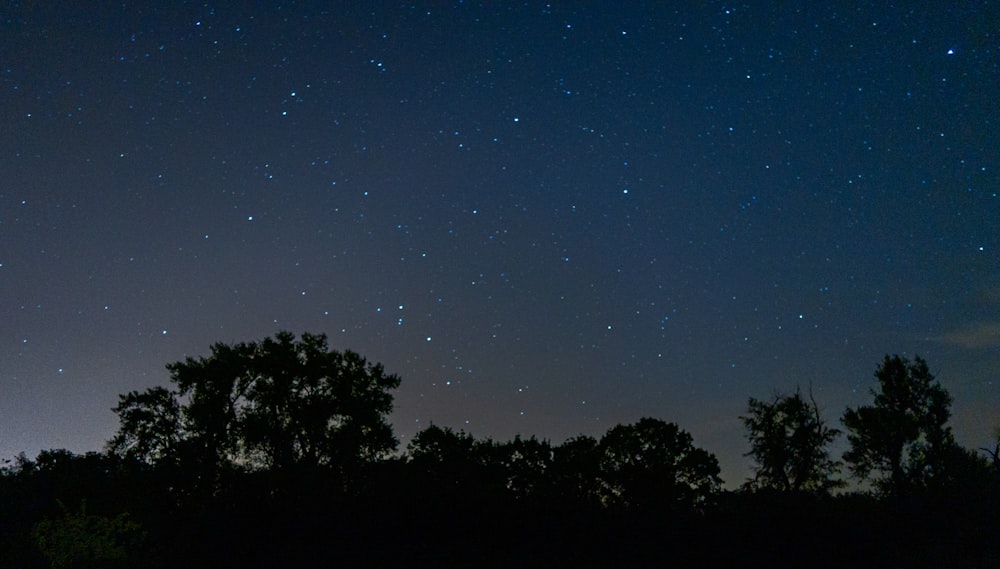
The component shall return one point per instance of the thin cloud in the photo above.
(982, 335)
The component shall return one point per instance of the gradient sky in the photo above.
(547, 219)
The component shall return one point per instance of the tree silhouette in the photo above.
(653, 463)
(788, 442)
(902, 439)
(282, 446)
(526, 465)
(445, 457)
(576, 470)
(994, 453)
(150, 425)
(441, 445)
(270, 405)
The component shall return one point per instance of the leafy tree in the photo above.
(273, 405)
(150, 425)
(518, 469)
(525, 464)
(456, 468)
(58, 474)
(309, 405)
(788, 442)
(653, 463)
(444, 454)
(902, 441)
(576, 470)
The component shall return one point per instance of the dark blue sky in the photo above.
(546, 218)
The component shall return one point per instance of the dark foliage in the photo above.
(279, 405)
(641, 495)
(902, 442)
(788, 443)
(654, 464)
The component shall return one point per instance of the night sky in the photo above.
(547, 219)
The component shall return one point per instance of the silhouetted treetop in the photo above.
(277, 454)
(655, 463)
(438, 445)
(788, 442)
(903, 438)
(273, 404)
(150, 425)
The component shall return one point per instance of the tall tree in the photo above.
(275, 404)
(150, 425)
(308, 405)
(902, 441)
(788, 442)
(653, 463)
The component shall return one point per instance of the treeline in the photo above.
(279, 453)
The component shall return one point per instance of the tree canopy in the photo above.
(652, 462)
(275, 404)
(283, 447)
(902, 441)
(150, 425)
(788, 443)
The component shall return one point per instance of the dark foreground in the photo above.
(399, 520)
